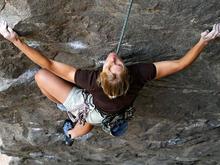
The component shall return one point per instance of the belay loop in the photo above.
(124, 27)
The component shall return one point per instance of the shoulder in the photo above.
(86, 78)
(147, 71)
(86, 74)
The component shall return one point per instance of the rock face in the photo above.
(178, 117)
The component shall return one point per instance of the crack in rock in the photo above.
(3, 6)
(27, 76)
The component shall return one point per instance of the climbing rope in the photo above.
(124, 27)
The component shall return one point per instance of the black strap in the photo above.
(126, 114)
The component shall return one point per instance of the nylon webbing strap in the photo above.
(124, 27)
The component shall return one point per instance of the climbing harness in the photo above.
(117, 124)
(124, 27)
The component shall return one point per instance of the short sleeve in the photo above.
(147, 71)
(86, 79)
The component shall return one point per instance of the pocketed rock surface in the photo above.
(177, 118)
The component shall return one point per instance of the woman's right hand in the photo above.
(7, 32)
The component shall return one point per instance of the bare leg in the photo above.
(57, 90)
(54, 87)
(80, 130)
(49, 96)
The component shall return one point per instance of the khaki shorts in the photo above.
(76, 99)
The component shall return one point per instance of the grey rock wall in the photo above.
(178, 117)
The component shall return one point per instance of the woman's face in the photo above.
(113, 64)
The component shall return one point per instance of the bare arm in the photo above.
(165, 68)
(60, 69)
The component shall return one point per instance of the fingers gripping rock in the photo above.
(7, 32)
(4, 29)
(215, 32)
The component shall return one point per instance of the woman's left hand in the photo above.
(211, 35)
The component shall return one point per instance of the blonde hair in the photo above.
(113, 85)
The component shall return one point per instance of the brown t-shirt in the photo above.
(139, 75)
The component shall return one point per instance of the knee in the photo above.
(41, 75)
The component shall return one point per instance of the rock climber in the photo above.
(90, 95)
